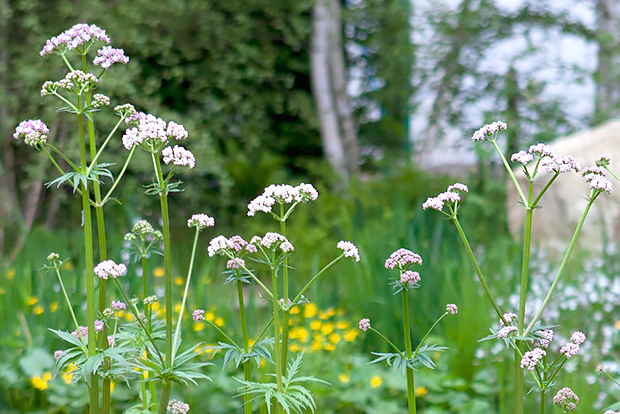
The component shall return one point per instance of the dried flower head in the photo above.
(489, 131)
(349, 250)
(109, 268)
(33, 132)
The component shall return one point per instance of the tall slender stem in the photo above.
(188, 281)
(276, 328)
(315, 277)
(120, 175)
(286, 313)
(429, 332)
(542, 401)
(510, 172)
(90, 265)
(408, 353)
(164, 397)
(247, 365)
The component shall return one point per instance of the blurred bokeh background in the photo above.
(372, 101)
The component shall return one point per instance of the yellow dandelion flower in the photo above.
(199, 326)
(219, 322)
(315, 325)
(316, 345)
(37, 310)
(294, 348)
(334, 338)
(10, 274)
(310, 310)
(344, 378)
(351, 335)
(53, 307)
(158, 272)
(295, 310)
(375, 381)
(40, 383)
(302, 334)
(421, 391)
(327, 328)
(129, 316)
(323, 315)
(32, 300)
(342, 325)
(178, 280)
(329, 347)
(330, 312)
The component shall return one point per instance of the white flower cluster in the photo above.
(545, 338)
(33, 131)
(531, 358)
(596, 177)
(488, 130)
(152, 133)
(178, 407)
(100, 100)
(234, 245)
(450, 196)
(283, 194)
(74, 37)
(566, 399)
(201, 221)
(560, 164)
(572, 348)
(452, 309)
(349, 250)
(179, 156)
(273, 241)
(109, 268)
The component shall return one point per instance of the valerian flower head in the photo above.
(451, 196)
(560, 164)
(508, 317)
(566, 399)
(578, 337)
(118, 305)
(52, 257)
(570, 350)
(364, 324)
(542, 150)
(235, 263)
(603, 160)
(76, 79)
(402, 259)
(149, 300)
(235, 245)
(58, 354)
(349, 250)
(596, 177)
(108, 268)
(273, 241)
(178, 156)
(107, 313)
(125, 110)
(282, 194)
(531, 358)
(100, 100)
(71, 39)
(489, 131)
(107, 56)
(458, 187)
(151, 133)
(522, 157)
(200, 221)
(452, 309)
(178, 407)
(33, 132)
(198, 315)
(505, 331)
(544, 338)
(409, 278)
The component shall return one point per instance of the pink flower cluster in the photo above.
(522, 157)
(505, 331)
(402, 259)
(506, 327)
(235, 263)
(201, 221)
(178, 407)
(508, 317)
(572, 347)
(531, 358)
(179, 156)
(118, 305)
(488, 130)
(198, 315)
(107, 56)
(603, 160)
(151, 133)
(450, 196)
(409, 277)
(33, 131)
(596, 177)
(234, 245)
(349, 250)
(566, 399)
(560, 164)
(546, 336)
(72, 38)
(109, 268)
(273, 240)
(452, 309)
(283, 194)
(364, 324)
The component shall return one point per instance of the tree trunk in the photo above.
(333, 146)
(606, 80)
(339, 85)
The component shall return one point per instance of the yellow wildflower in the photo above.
(342, 325)
(329, 347)
(315, 325)
(330, 312)
(421, 391)
(293, 348)
(129, 316)
(32, 300)
(618, 325)
(177, 307)
(210, 316)
(310, 310)
(351, 335)
(219, 322)
(316, 345)
(53, 307)
(323, 315)
(199, 326)
(10, 274)
(251, 342)
(178, 280)
(327, 328)
(295, 310)
(334, 338)
(40, 383)
(37, 310)
(344, 378)
(375, 381)
(158, 272)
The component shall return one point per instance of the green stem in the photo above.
(301, 292)
(429, 332)
(247, 365)
(544, 190)
(120, 175)
(185, 294)
(518, 382)
(164, 397)
(253, 276)
(77, 325)
(276, 328)
(63, 156)
(62, 98)
(96, 156)
(573, 241)
(286, 311)
(483, 281)
(542, 401)
(408, 352)
(390, 343)
(58, 167)
(611, 378)
(510, 173)
(612, 173)
(90, 265)
(64, 58)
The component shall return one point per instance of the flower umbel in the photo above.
(33, 132)
(566, 399)
(109, 268)
(349, 250)
(71, 39)
(489, 131)
(364, 324)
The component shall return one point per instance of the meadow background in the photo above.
(421, 76)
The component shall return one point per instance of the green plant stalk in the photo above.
(510, 173)
(390, 343)
(188, 281)
(276, 328)
(544, 190)
(120, 175)
(286, 311)
(163, 199)
(611, 378)
(571, 246)
(77, 325)
(518, 382)
(147, 309)
(612, 173)
(408, 353)
(247, 365)
(542, 402)
(96, 154)
(256, 279)
(315, 277)
(58, 167)
(429, 332)
(93, 388)
(483, 281)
